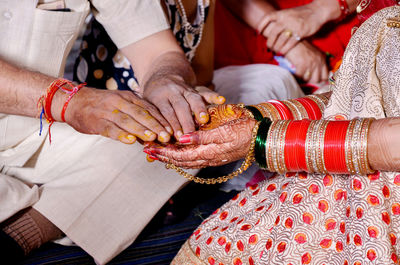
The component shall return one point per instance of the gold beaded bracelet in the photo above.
(249, 159)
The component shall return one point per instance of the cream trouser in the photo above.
(99, 192)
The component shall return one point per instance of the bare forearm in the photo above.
(250, 11)
(330, 10)
(172, 64)
(20, 89)
(384, 144)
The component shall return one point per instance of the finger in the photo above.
(307, 75)
(112, 131)
(127, 123)
(183, 112)
(272, 32)
(184, 164)
(197, 106)
(282, 39)
(143, 117)
(188, 153)
(210, 96)
(264, 23)
(289, 45)
(315, 75)
(220, 135)
(324, 73)
(150, 109)
(168, 112)
(156, 114)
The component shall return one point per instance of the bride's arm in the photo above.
(384, 144)
(231, 142)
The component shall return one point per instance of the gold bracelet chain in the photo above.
(249, 159)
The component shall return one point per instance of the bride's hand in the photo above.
(213, 147)
(221, 114)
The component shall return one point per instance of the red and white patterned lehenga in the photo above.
(321, 219)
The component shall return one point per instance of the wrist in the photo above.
(328, 10)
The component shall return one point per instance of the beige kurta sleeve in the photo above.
(128, 21)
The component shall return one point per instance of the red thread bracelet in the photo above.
(45, 101)
(71, 93)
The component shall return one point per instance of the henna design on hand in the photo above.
(221, 145)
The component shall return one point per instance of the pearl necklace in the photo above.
(188, 28)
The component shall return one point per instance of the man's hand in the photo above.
(119, 115)
(310, 63)
(284, 28)
(176, 101)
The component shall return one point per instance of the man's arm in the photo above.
(119, 115)
(167, 80)
(20, 90)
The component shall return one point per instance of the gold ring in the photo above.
(307, 75)
(288, 33)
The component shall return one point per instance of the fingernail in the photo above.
(163, 137)
(130, 137)
(185, 139)
(169, 130)
(221, 99)
(203, 117)
(179, 134)
(149, 159)
(148, 133)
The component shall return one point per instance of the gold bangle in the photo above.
(347, 148)
(281, 147)
(249, 159)
(275, 138)
(267, 112)
(248, 112)
(320, 100)
(293, 109)
(308, 146)
(261, 110)
(314, 145)
(355, 146)
(321, 146)
(268, 147)
(300, 108)
(365, 167)
(274, 112)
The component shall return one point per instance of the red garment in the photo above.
(370, 7)
(238, 44)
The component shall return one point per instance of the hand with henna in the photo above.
(212, 146)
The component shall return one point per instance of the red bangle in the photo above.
(313, 111)
(71, 93)
(283, 110)
(295, 156)
(344, 9)
(334, 147)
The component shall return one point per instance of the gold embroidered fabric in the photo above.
(321, 219)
